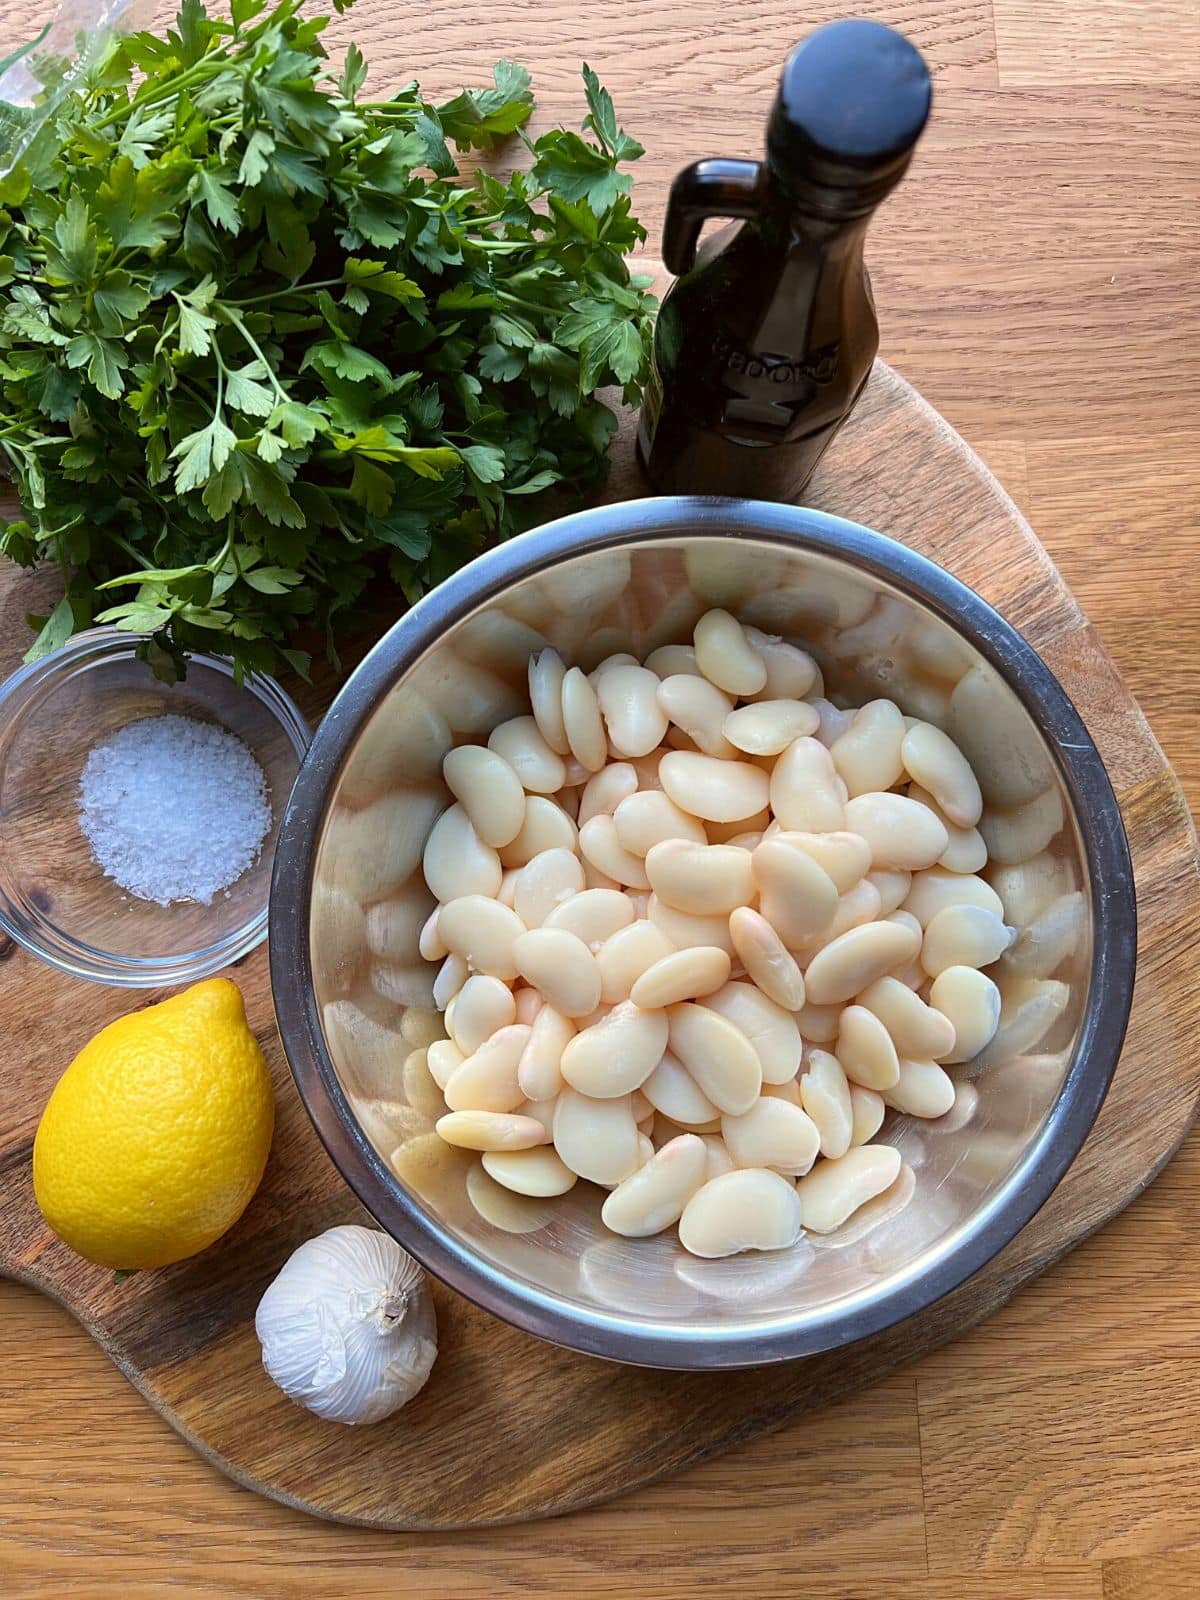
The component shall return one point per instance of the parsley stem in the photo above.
(235, 320)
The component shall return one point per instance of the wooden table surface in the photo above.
(1038, 278)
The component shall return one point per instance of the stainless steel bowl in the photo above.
(881, 620)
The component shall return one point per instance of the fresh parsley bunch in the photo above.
(261, 343)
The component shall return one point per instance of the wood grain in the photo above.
(1028, 362)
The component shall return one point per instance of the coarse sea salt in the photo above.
(173, 808)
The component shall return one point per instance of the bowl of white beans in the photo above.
(702, 932)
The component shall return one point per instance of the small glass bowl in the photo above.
(54, 898)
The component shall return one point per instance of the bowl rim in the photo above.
(95, 646)
(1096, 813)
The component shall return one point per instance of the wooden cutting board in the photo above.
(509, 1428)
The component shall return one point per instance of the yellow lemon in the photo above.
(157, 1134)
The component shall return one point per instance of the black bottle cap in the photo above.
(853, 99)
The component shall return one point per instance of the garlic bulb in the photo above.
(348, 1328)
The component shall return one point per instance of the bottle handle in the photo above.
(713, 188)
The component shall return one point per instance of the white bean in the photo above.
(626, 955)
(994, 733)
(770, 1029)
(834, 720)
(618, 1054)
(1016, 836)
(963, 936)
(539, 1071)
(501, 1207)
(597, 1139)
(717, 1158)
(392, 928)
(487, 1079)
(933, 760)
(488, 790)
(482, 931)
(604, 791)
(452, 974)
(845, 857)
(856, 906)
(966, 851)
(600, 845)
(728, 832)
(892, 886)
(593, 916)
(916, 1029)
(559, 964)
(482, 1006)
(900, 832)
(972, 1003)
(443, 1058)
(519, 741)
(867, 755)
(818, 1024)
(866, 1050)
(825, 1096)
(726, 657)
(673, 660)
(490, 1130)
(836, 1189)
(767, 727)
(698, 709)
(650, 817)
(936, 888)
(673, 1091)
(528, 1005)
(766, 958)
(701, 879)
(922, 1090)
(789, 1091)
(718, 1056)
(803, 789)
(546, 674)
(403, 986)
(621, 658)
(798, 897)
(419, 1028)
(747, 1209)
(582, 721)
(546, 827)
(456, 860)
(681, 975)
(684, 931)
(653, 1197)
(1030, 1008)
(628, 698)
(1045, 944)
(855, 959)
(545, 883)
(507, 892)
(539, 1172)
(429, 942)
(868, 1110)
(1026, 890)
(595, 879)
(714, 790)
(792, 673)
(774, 1133)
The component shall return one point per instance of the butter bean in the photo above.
(900, 832)
(582, 722)
(727, 832)
(855, 959)
(718, 1056)
(700, 879)
(538, 1172)
(528, 1005)
(767, 727)
(419, 1028)
(646, 768)
(1029, 1009)
(803, 789)
(854, 908)
(868, 1111)
(595, 879)
(605, 790)
(935, 889)
(792, 674)
(546, 827)
(392, 927)
(520, 742)
(539, 1070)
(620, 658)
(994, 733)
(489, 1130)
(600, 845)
(456, 860)
(971, 1001)
(748, 1209)
(916, 1029)
(673, 1091)
(867, 755)
(628, 698)
(650, 817)
(673, 660)
(482, 931)
(966, 851)
(681, 975)
(818, 1024)
(892, 886)
(836, 1189)
(501, 1207)
(844, 857)
(766, 959)
(653, 1197)
(618, 1054)
(698, 709)
(507, 893)
(717, 1158)
(865, 1048)
(487, 1079)
(923, 1089)
(545, 883)
(825, 1096)
(963, 936)
(482, 1006)
(770, 1029)
(560, 965)
(798, 896)
(1016, 836)
(789, 1091)
(488, 790)
(443, 1058)
(626, 955)
(1046, 943)
(593, 916)
(684, 931)
(726, 657)
(403, 986)
(716, 791)
(452, 974)
(597, 1139)
(934, 761)
(429, 941)
(773, 1134)
(1027, 889)
(833, 723)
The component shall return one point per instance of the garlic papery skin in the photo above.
(348, 1327)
